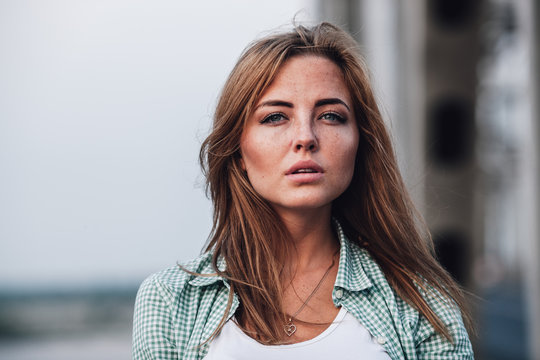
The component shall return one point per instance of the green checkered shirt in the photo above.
(176, 312)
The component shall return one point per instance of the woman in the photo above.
(315, 250)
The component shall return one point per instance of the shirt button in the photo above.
(381, 340)
(339, 293)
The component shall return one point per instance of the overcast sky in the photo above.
(103, 106)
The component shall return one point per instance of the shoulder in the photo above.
(169, 283)
(410, 325)
(166, 307)
(442, 306)
(429, 341)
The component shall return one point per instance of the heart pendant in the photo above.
(289, 329)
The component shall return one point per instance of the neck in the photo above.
(314, 239)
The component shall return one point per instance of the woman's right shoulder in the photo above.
(173, 280)
(162, 301)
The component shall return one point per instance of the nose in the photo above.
(305, 137)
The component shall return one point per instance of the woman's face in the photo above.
(299, 145)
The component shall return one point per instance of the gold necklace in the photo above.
(289, 327)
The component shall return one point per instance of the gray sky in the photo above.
(103, 106)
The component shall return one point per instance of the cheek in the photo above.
(351, 156)
(345, 146)
(347, 153)
(255, 155)
(261, 149)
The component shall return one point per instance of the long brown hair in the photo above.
(374, 210)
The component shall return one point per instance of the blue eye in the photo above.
(333, 117)
(273, 118)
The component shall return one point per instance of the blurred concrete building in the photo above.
(459, 83)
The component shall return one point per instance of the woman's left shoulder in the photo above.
(429, 343)
(410, 325)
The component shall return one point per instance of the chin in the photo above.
(306, 203)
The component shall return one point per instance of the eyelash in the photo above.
(268, 119)
(340, 119)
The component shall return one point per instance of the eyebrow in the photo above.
(275, 103)
(331, 101)
(319, 103)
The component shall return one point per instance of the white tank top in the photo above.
(344, 339)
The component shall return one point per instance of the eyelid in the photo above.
(266, 118)
(340, 118)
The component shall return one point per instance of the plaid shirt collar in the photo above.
(173, 319)
(351, 275)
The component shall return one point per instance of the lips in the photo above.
(304, 171)
(304, 167)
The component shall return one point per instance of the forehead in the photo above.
(308, 75)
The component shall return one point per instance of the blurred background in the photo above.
(104, 104)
